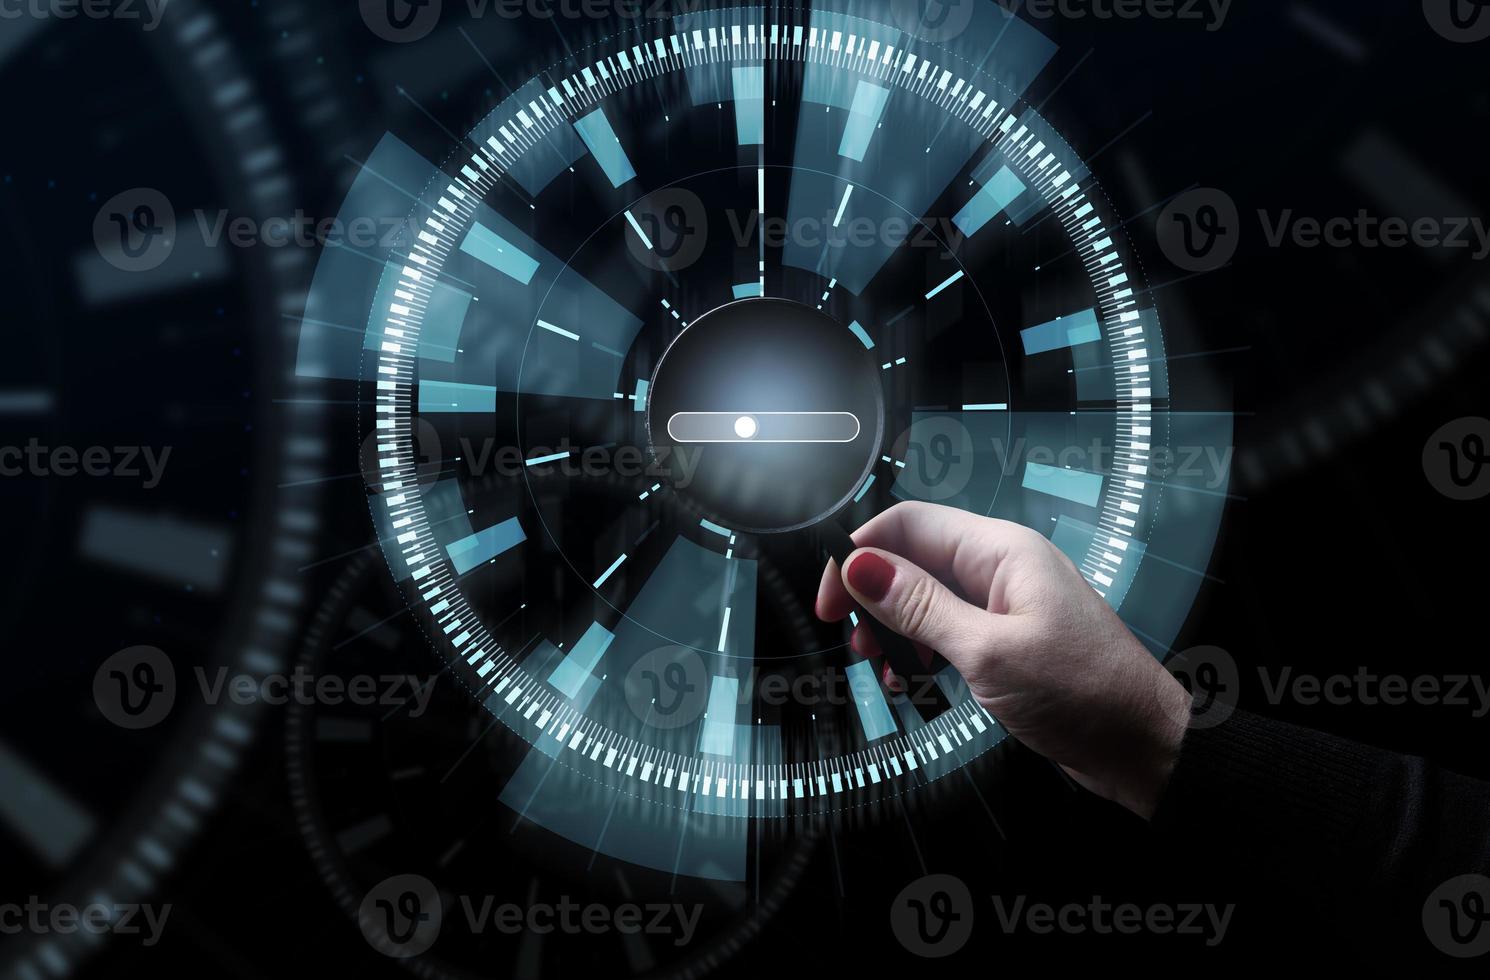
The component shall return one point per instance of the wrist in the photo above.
(1161, 729)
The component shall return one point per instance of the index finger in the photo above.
(957, 547)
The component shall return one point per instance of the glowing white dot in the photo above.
(745, 427)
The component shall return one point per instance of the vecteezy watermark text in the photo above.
(39, 918)
(934, 917)
(137, 230)
(1366, 230)
(120, 462)
(403, 916)
(832, 230)
(136, 688)
(1211, 14)
(675, 464)
(1123, 918)
(569, 917)
(1214, 680)
(1369, 688)
(1200, 230)
(147, 12)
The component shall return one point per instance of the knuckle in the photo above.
(1018, 536)
(903, 510)
(1031, 538)
(918, 607)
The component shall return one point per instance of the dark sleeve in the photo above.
(1372, 833)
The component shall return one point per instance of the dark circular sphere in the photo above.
(782, 406)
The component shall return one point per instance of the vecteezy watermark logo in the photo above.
(671, 229)
(568, 917)
(668, 687)
(400, 917)
(135, 230)
(60, 462)
(1364, 230)
(1207, 466)
(933, 916)
(1456, 459)
(1456, 917)
(135, 688)
(1366, 687)
(1209, 13)
(830, 230)
(400, 21)
(487, 458)
(933, 20)
(149, 12)
(1105, 918)
(1210, 675)
(815, 688)
(939, 456)
(1460, 21)
(1199, 230)
(39, 918)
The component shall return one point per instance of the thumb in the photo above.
(913, 603)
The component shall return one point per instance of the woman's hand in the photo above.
(1037, 646)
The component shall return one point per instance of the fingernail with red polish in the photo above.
(871, 575)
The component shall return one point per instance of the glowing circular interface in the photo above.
(692, 293)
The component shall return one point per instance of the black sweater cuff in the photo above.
(1281, 785)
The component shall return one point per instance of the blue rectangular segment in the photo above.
(945, 284)
(1077, 486)
(910, 715)
(991, 198)
(862, 334)
(718, 737)
(484, 545)
(874, 713)
(439, 340)
(1068, 331)
(609, 571)
(639, 398)
(953, 687)
(158, 545)
(191, 261)
(750, 106)
(570, 675)
(598, 135)
(26, 402)
(485, 245)
(453, 396)
(863, 119)
(745, 290)
(55, 825)
(709, 525)
(543, 660)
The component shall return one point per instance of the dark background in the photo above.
(1336, 554)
